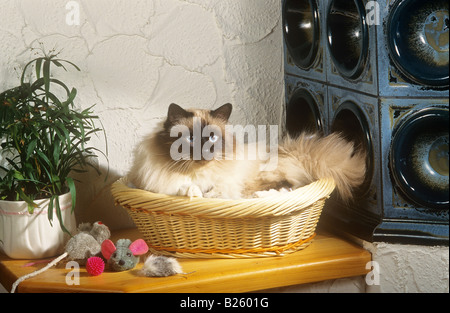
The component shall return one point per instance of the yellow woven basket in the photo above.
(219, 228)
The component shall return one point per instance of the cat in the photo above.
(165, 162)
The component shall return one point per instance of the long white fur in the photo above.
(300, 161)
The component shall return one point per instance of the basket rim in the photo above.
(273, 205)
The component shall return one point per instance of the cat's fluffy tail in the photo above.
(307, 158)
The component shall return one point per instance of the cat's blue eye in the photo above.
(213, 138)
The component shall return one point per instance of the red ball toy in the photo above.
(95, 266)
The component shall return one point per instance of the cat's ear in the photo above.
(176, 112)
(223, 112)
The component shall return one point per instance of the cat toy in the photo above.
(124, 255)
(161, 266)
(92, 241)
(95, 265)
(82, 246)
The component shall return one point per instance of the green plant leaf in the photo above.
(28, 200)
(50, 209)
(56, 181)
(38, 67)
(54, 98)
(58, 64)
(56, 154)
(59, 215)
(61, 84)
(73, 192)
(72, 95)
(44, 159)
(31, 146)
(46, 75)
(42, 138)
(22, 78)
(18, 175)
(68, 62)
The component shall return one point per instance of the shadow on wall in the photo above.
(95, 201)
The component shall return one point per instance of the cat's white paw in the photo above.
(194, 191)
(190, 191)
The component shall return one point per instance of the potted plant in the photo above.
(42, 140)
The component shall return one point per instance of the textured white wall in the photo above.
(138, 56)
(410, 268)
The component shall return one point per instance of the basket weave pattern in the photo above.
(217, 228)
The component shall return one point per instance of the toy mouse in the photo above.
(85, 244)
(160, 266)
(125, 254)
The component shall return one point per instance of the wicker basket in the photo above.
(218, 228)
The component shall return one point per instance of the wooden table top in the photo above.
(328, 257)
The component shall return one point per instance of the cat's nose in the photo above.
(121, 262)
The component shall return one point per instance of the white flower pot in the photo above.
(31, 236)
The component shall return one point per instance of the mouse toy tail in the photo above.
(35, 273)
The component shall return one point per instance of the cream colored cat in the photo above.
(166, 161)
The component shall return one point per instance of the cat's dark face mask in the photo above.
(197, 137)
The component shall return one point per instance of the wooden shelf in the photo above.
(328, 257)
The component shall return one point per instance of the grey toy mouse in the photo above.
(124, 255)
(160, 266)
(86, 243)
